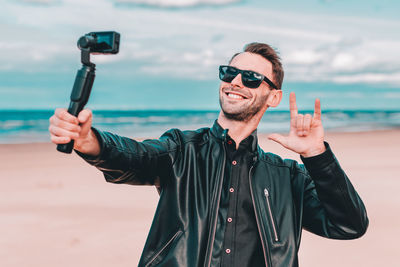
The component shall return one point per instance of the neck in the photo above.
(239, 130)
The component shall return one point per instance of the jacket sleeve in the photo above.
(124, 160)
(331, 208)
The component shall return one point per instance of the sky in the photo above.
(345, 52)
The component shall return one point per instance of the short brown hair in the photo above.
(269, 54)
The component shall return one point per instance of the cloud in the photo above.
(392, 95)
(393, 78)
(304, 57)
(192, 43)
(343, 61)
(175, 3)
(39, 2)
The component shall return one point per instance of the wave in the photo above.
(22, 126)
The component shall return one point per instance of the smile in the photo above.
(234, 95)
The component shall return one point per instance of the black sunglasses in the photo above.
(250, 78)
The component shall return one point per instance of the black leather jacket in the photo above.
(187, 167)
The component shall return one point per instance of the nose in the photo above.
(237, 81)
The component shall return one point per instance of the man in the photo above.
(224, 201)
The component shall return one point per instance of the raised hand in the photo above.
(306, 135)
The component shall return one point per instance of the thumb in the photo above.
(280, 139)
(85, 119)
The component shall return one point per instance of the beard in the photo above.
(241, 111)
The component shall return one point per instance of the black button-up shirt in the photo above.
(238, 242)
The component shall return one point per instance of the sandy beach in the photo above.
(56, 210)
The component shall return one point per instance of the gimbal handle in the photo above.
(80, 93)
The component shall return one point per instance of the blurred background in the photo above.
(344, 52)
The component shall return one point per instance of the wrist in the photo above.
(314, 151)
(89, 145)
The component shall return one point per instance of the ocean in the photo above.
(27, 126)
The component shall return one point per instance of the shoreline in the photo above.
(328, 132)
(59, 211)
(30, 126)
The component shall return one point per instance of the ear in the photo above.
(274, 98)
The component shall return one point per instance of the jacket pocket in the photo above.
(153, 259)
(274, 227)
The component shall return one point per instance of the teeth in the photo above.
(235, 96)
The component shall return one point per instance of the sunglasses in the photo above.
(250, 78)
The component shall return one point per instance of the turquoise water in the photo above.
(31, 125)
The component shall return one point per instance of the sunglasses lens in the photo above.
(227, 73)
(251, 79)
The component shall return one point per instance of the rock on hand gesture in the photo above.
(306, 135)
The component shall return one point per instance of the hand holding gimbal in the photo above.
(94, 42)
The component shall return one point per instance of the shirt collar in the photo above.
(221, 134)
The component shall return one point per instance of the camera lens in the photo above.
(86, 41)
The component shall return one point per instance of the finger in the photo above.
(317, 109)
(64, 125)
(56, 131)
(60, 139)
(293, 108)
(85, 118)
(280, 139)
(63, 114)
(307, 124)
(299, 124)
(84, 115)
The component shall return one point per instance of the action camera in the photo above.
(100, 42)
(91, 43)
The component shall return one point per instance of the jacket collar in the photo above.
(221, 134)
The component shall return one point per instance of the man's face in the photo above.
(239, 102)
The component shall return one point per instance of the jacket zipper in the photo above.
(163, 248)
(257, 220)
(266, 193)
(217, 207)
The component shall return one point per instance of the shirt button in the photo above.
(229, 142)
(231, 189)
(229, 219)
(227, 251)
(234, 162)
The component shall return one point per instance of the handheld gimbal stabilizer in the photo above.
(94, 42)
